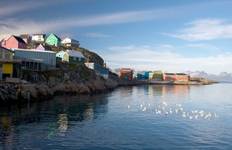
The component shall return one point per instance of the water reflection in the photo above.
(7, 130)
(55, 116)
(141, 117)
(62, 123)
(163, 90)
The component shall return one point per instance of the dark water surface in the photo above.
(143, 117)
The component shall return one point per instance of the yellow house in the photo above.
(6, 63)
(7, 69)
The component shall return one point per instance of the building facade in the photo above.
(157, 75)
(182, 77)
(8, 66)
(99, 70)
(32, 57)
(40, 38)
(126, 74)
(143, 75)
(176, 77)
(13, 42)
(53, 40)
(70, 56)
(68, 42)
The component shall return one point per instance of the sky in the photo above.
(169, 35)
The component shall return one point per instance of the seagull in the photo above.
(144, 109)
(184, 115)
(165, 104)
(190, 117)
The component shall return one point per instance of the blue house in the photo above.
(101, 71)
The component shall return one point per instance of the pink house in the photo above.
(14, 42)
(40, 47)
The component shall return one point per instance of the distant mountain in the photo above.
(222, 77)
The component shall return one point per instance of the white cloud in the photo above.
(15, 26)
(152, 58)
(205, 29)
(12, 9)
(97, 35)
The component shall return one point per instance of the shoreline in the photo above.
(12, 93)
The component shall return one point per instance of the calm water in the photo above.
(144, 117)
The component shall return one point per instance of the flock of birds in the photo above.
(164, 109)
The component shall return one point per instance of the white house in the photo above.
(70, 42)
(38, 37)
(71, 56)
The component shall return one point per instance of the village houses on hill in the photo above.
(33, 54)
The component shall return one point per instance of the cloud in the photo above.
(97, 35)
(205, 29)
(13, 8)
(31, 26)
(153, 58)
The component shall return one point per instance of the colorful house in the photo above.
(169, 76)
(71, 56)
(176, 77)
(126, 74)
(43, 60)
(40, 47)
(68, 42)
(101, 71)
(8, 65)
(157, 75)
(39, 38)
(182, 77)
(143, 75)
(13, 42)
(53, 40)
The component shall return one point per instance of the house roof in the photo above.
(54, 35)
(32, 50)
(74, 53)
(19, 39)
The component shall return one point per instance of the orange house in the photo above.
(176, 77)
(182, 77)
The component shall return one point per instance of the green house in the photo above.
(53, 40)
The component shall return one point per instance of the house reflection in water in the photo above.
(164, 90)
(63, 123)
(6, 133)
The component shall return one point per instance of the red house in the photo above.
(14, 42)
(126, 74)
(169, 77)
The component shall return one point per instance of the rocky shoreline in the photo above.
(12, 93)
(21, 93)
